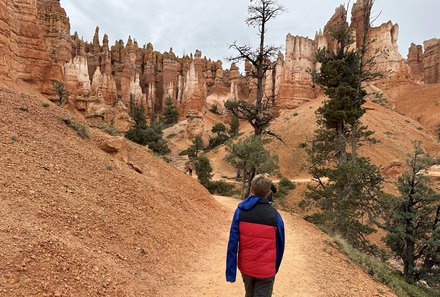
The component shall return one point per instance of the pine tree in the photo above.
(349, 186)
(234, 126)
(222, 137)
(142, 134)
(61, 91)
(203, 169)
(249, 155)
(171, 115)
(413, 224)
(196, 147)
(218, 128)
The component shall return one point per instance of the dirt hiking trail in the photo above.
(310, 267)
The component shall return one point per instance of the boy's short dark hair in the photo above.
(261, 185)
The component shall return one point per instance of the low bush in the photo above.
(214, 109)
(217, 141)
(221, 188)
(109, 130)
(80, 129)
(284, 187)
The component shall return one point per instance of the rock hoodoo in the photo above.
(425, 61)
(415, 62)
(431, 61)
(36, 46)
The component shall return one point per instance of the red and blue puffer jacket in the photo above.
(257, 236)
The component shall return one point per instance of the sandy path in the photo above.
(311, 267)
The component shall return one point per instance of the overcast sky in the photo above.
(210, 25)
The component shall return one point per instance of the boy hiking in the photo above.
(257, 236)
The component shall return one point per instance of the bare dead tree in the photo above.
(260, 13)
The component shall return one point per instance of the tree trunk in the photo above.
(408, 260)
(342, 144)
(251, 177)
(260, 72)
(243, 185)
(354, 142)
(409, 245)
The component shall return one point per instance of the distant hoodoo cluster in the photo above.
(102, 79)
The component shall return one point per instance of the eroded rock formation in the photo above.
(293, 83)
(425, 63)
(431, 61)
(383, 47)
(415, 62)
(35, 44)
(23, 52)
(56, 30)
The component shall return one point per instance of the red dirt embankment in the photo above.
(77, 221)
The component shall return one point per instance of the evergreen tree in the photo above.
(250, 154)
(203, 169)
(196, 147)
(171, 115)
(349, 186)
(221, 137)
(413, 224)
(234, 126)
(61, 91)
(218, 128)
(141, 133)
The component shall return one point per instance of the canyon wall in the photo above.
(23, 52)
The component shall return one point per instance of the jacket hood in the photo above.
(249, 202)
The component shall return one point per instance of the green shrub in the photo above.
(143, 134)
(286, 184)
(45, 104)
(217, 141)
(171, 115)
(171, 135)
(284, 187)
(214, 109)
(234, 126)
(184, 153)
(193, 150)
(203, 169)
(221, 188)
(109, 130)
(80, 129)
(61, 91)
